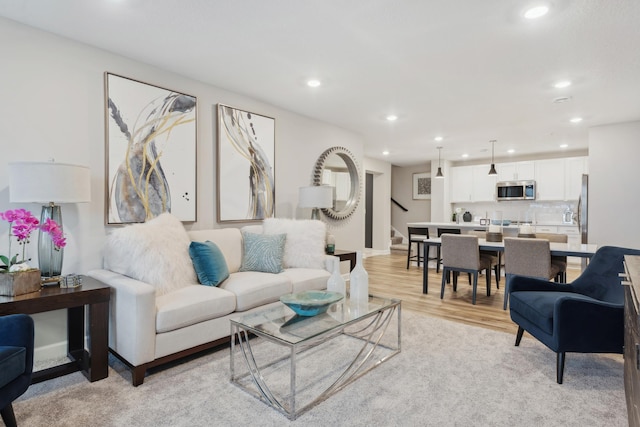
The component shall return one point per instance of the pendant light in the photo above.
(439, 173)
(492, 171)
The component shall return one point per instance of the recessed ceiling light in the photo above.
(392, 117)
(385, 153)
(465, 155)
(313, 83)
(438, 138)
(536, 12)
(511, 151)
(562, 84)
(561, 99)
(576, 120)
(564, 145)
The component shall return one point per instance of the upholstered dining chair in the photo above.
(585, 316)
(16, 362)
(442, 231)
(560, 261)
(498, 254)
(460, 253)
(526, 257)
(417, 235)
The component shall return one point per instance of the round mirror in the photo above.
(337, 167)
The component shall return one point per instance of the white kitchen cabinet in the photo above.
(472, 184)
(546, 229)
(550, 179)
(484, 185)
(575, 167)
(516, 171)
(461, 184)
(573, 237)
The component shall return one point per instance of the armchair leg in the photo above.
(8, 416)
(560, 367)
(519, 335)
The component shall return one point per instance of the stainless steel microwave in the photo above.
(516, 190)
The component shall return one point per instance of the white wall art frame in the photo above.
(246, 165)
(421, 186)
(150, 151)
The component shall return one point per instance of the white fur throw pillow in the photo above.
(155, 252)
(305, 243)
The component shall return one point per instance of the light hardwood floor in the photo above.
(389, 277)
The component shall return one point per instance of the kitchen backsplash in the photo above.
(542, 212)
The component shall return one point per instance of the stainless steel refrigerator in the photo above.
(583, 210)
(583, 214)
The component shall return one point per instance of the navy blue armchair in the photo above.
(585, 316)
(16, 361)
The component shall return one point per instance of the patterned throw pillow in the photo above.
(209, 263)
(262, 252)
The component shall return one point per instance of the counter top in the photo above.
(476, 225)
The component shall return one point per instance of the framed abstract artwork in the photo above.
(421, 186)
(150, 151)
(246, 165)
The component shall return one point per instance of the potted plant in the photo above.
(16, 275)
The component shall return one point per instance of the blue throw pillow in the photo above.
(262, 252)
(209, 263)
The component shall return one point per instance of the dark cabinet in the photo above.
(632, 339)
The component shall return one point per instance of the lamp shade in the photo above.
(316, 196)
(46, 182)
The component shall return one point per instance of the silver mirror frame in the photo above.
(354, 176)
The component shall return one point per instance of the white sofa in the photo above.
(151, 325)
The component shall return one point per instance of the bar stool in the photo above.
(416, 235)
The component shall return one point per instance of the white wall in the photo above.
(614, 174)
(402, 192)
(52, 106)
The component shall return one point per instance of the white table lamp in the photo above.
(316, 197)
(49, 183)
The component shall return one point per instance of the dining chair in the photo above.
(527, 257)
(442, 231)
(460, 253)
(417, 235)
(481, 234)
(560, 261)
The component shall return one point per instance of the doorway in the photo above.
(368, 211)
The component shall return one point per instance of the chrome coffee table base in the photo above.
(368, 328)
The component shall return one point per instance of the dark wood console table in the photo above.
(346, 256)
(632, 339)
(92, 296)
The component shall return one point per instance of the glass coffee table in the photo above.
(293, 362)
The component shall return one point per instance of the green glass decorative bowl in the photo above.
(310, 303)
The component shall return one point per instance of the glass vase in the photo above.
(336, 283)
(49, 258)
(359, 282)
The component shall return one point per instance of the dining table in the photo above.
(580, 250)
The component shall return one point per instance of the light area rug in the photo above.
(448, 374)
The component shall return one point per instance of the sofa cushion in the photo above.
(12, 363)
(208, 262)
(305, 244)
(253, 288)
(155, 252)
(229, 240)
(262, 252)
(191, 305)
(305, 279)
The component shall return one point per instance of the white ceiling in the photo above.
(469, 70)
